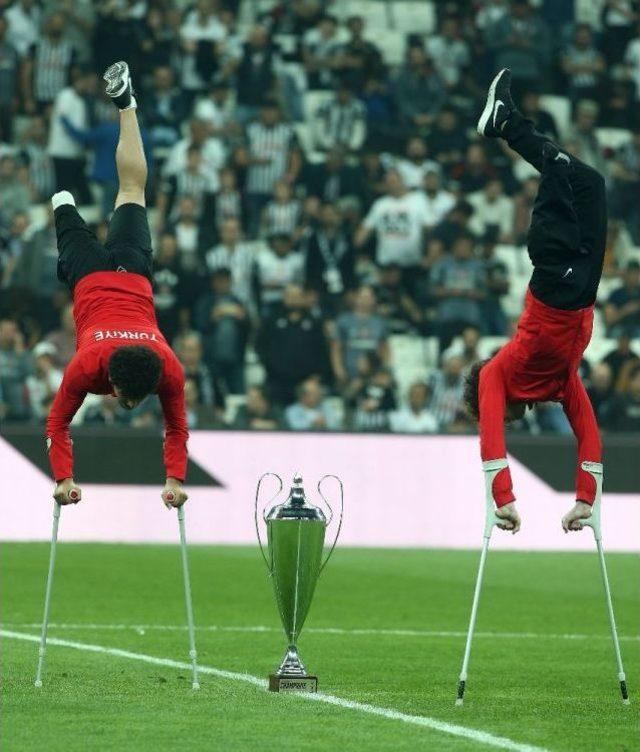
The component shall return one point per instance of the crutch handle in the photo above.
(594, 522)
(491, 469)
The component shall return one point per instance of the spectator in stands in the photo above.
(282, 215)
(43, 383)
(618, 17)
(459, 285)
(622, 311)
(257, 414)
(333, 178)
(466, 347)
(626, 416)
(415, 417)
(33, 153)
(358, 60)
(188, 233)
(63, 339)
(278, 265)
(9, 67)
(395, 305)
(438, 202)
(216, 110)
(475, 171)
(625, 196)
(15, 366)
(492, 209)
(311, 411)
(228, 201)
(15, 196)
(234, 254)
(106, 412)
(622, 360)
(188, 348)
(419, 89)
(447, 140)
(36, 272)
(198, 415)
(371, 395)
(171, 289)
(224, 324)
(632, 62)
(446, 387)
(520, 40)
(523, 209)
(12, 245)
(67, 154)
(270, 154)
(584, 135)
(583, 64)
(602, 394)
(341, 122)
(398, 221)
(497, 276)
(329, 260)
(449, 51)
(200, 32)
(320, 48)
(190, 181)
(292, 346)
(47, 67)
(164, 108)
(213, 155)
(255, 74)
(456, 223)
(24, 18)
(545, 123)
(357, 333)
(415, 164)
(158, 37)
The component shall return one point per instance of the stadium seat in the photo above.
(560, 109)
(407, 349)
(392, 44)
(232, 404)
(415, 17)
(375, 13)
(488, 345)
(313, 100)
(599, 348)
(431, 351)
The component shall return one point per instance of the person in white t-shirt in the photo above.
(414, 166)
(213, 155)
(415, 417)
(438, 202)
(492, 209)
(398, 220)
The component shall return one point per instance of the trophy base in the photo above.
(279, 683)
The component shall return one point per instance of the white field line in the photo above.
(474, 735)
(141, 628)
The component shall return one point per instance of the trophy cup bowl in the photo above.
(295, 541)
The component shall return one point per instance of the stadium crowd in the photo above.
(312, 201)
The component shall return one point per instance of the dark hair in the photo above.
(470, 395)
(135, 370)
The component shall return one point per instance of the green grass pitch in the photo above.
(398, 619)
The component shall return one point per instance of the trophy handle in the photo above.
(255, 515)
(335, 540)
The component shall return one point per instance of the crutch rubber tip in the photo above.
(37, 683)
(195, 685)
(626, 701)
(459, 702)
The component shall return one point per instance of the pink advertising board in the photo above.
(400, 491)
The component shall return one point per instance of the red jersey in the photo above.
(112, 309)
(540, 364)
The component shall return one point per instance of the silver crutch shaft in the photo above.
(188, 600)
(47, 597)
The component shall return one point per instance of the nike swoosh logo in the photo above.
(568, 272)
(499, 103)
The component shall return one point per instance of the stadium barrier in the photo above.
(432, 484)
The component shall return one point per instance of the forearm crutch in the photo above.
(491, 469)
(595, 470)
(195, 684)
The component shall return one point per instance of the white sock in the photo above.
(62, 198)
(132, 106)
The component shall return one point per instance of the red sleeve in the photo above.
(492, 402)
(579, 411)
(175, 428)
(68, 399)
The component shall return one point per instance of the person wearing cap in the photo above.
(43, 384)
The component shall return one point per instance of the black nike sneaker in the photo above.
(498, 107)
(119, 86)
(553, 156)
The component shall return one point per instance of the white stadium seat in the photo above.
(599, 348)
(612, 138)
(415, 17)
(392, 44)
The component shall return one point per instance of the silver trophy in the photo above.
(295, 537)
